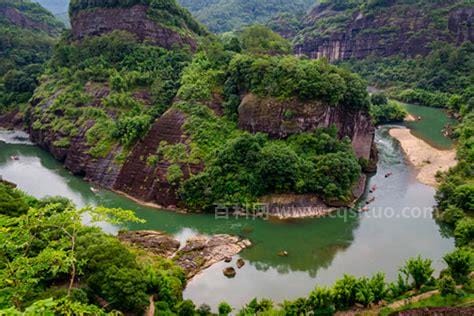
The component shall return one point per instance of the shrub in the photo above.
(364, 294)
(174, 174)
(186, 308)
(321, 301)
(464, 232)
(204, 310)
(379, 99)
(460, 263)
(224, 309)
(419, 270)
(446, 285)
(345, 292)
(451, 215)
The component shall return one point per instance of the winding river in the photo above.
(397, 226)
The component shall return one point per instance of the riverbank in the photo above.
(424, 157)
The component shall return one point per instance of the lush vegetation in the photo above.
(291, 77)
(50, 263)
(224, 15)
(241, 167)
(335, 15)
(438, 79)
(23, 50)
(249, 166)
(385, 111)
(166, 12)
(111, 86)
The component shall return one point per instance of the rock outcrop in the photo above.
(147, 181)
(397, 29)
(134, 20)
(283, 118)
(151, 240)
(199, 252)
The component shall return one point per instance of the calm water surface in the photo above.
(320, 250)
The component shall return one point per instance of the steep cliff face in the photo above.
(398, 27)
(135, 20)
(146, 179)
(283, 118)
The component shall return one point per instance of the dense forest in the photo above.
(224, 15)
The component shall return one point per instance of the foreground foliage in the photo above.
(50, 261)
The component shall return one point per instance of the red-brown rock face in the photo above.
(133, 20)
(283, 118)
(408, 32)
(146, 181)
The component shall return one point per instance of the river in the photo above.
(397, 226)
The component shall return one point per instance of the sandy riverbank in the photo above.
(426, 159)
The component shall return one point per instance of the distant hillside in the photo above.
(227, 15)
(27, 35)
(340, 29)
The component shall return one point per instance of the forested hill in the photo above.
(340, 29)
(227, 15)
(27, 33)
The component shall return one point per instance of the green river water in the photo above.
(397, 226)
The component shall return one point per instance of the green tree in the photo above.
(419, 271)
(224, 309)
(460, 263)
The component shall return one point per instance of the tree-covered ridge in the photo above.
(333, 16)
(38, 18)
(27, 36)
(139, 82)
(224, 15)
(165, 12)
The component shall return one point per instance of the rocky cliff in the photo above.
(114, 110)
(135, 20)
(283, 118)
(396, 27)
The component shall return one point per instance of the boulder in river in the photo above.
(229, 272)
(240, 263)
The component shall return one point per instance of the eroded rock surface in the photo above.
(199, 253)
(134, 20)
(397, 30)
(154, 241)
(283, 118)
